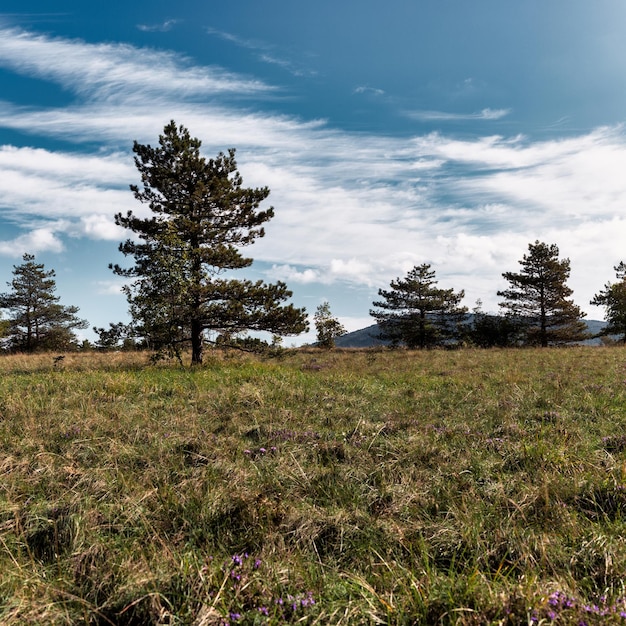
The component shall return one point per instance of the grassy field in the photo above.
(364, 487)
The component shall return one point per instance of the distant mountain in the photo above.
(368, 337)
(594, 327)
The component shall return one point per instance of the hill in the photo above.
(369, 336)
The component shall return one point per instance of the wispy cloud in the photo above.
(116, 72)
(51, 194)
(8, 19)
(363, 89)
(354, 209)
(263, 52)
(442, 116)
(163, 27)
(251, 44)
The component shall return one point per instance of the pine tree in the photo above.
(613, 299)
(418, 313)
(327, 326)
(201, 216)
(36, 319)
(489, 330)
(538, 298)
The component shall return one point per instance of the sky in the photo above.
(391, 134)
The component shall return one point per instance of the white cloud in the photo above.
(290, 274)
(120, 124)
(354, 269)
(158, 28)
(110, 287)
(71, 194)
(369, 90)
(72, 168)
(115, 72)
(53, 185)
(442, 116)
(38, 240)
(100, 227)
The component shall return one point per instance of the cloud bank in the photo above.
(354, 209)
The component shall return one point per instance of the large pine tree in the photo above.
(417, 313)
(201, 217)
(538, 298)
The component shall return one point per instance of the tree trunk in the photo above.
(197, 347)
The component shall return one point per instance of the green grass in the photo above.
(356, 487)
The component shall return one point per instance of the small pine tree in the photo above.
(489, 330)
(418, 313)
(327, 326)
(613, 299)
(538, 298)
(36, 319)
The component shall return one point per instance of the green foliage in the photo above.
(4, 328)
(327, 326)
(36, 319)
(538, 298)
(489, 331)
(613, 299)
(117, 336)
(417, 313)
(202, 215)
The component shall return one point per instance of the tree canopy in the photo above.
(538, 298)
(613, 299)
(201, 216)
(418, 313)
(36, 320)
(489, 330)
(328, 327)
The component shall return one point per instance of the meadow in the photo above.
(344, 487)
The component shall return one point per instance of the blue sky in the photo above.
(390, 134)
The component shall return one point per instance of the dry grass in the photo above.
(347, 487)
